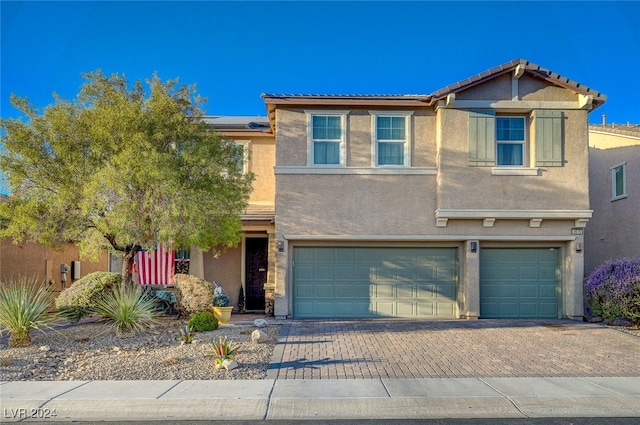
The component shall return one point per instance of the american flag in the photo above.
(155, 267)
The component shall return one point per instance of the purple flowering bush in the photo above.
(613, 290)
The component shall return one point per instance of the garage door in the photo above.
(519, 283)
(353, 282)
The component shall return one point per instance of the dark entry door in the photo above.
(256, 272)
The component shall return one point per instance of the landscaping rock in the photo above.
(260, 323)
(621, 322)
(230, 364)
(259, 337)
(595, 319)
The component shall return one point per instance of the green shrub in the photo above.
(203, 321)
(129, 310)
(76, 301)
(192, 293)
(23, 307)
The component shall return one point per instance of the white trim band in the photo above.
(355, 170)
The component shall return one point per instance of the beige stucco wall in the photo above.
(292, 137)
(28, 259)
(225, 268)
(529, 89)
(558, 188)
(354, 204)
(613, 231)
(261, 162)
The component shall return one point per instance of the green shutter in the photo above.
(482, 138)
(548, 128)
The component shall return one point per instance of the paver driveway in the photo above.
(396, 348)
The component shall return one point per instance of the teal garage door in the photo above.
(519, 283)
(355, 282)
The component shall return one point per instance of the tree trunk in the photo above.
(128, 258)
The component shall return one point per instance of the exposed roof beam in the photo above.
(518, 72)
(585, 101)
(451, 99)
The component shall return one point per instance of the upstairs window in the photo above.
(326, 138)
(240, 156)
(619, 182)
(391, 138)
(510, 141)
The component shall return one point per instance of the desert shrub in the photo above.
(23, 307)
(613, 290)
(203, 321)
(77, 300)
(129, 310)
(193, 294)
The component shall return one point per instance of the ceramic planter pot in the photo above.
(223, 314)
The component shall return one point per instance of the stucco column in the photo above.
(573, 290)
(281, 308)
(270, 284)
(196, 262)
(469, 289)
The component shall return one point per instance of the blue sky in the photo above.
(234, 51)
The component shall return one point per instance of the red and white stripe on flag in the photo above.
(155, 267)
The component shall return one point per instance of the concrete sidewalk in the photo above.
(427, 398)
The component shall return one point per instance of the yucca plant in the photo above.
(129, 310)
(223, 350)
(23, 307)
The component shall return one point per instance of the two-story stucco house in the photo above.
(468, 202)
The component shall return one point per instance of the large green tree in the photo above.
(123, 167)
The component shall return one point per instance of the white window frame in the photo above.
(310, 140)
(614, 195)
(522, 142)
(407, 137)
(245, 154)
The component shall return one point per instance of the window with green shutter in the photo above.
(482, 138)
(619, 182)
(548, 130)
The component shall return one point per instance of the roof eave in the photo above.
(531, 69)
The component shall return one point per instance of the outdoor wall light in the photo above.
(280, 245)
(473, 246)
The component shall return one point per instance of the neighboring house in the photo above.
(614, 181)
(467, 202)
(32, 260)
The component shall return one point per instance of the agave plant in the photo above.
(223, 350)
(23, 307)
(186, 335)
(129, 310)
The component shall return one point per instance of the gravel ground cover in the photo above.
(91, 351)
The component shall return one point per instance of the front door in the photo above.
(256, 272)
